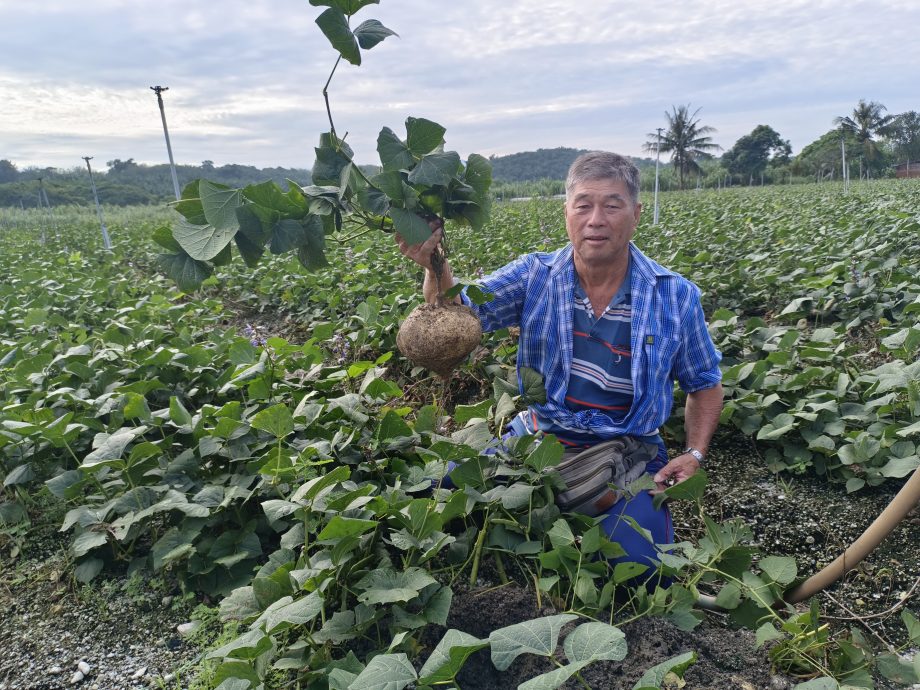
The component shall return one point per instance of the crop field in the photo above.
(260, 442)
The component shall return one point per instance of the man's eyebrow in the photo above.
(615, 196)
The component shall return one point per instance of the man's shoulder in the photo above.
(653, 272)
(544, 260)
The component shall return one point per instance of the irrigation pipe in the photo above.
(897, 510)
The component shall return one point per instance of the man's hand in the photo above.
(677, 470)
(421, 253)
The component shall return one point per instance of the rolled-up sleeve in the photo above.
(696, 366)
(507, 285)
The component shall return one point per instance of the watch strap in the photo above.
(689, 450)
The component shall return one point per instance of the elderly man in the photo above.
(610, 331)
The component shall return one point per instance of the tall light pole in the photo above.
(158, 90)
(657, 159)
(843, 157)
(105, 233)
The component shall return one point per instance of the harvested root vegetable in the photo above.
(439, 337)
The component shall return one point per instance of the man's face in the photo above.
(600, 219)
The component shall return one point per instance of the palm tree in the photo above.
(867, 122)
(685, 139)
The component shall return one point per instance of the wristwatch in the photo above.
(695, 453)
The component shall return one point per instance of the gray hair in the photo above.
(602, 165)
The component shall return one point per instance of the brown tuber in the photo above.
(439, 337)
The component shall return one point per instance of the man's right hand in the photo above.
(421, 253)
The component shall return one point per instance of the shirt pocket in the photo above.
(660, 354)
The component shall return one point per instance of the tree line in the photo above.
(873, 139)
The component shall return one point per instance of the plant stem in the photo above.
(326, 98)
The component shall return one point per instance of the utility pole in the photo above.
(843, 157)
(158, 90)
(105, 233)
(657, 160)
(44, 203)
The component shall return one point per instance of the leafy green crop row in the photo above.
(287, 464)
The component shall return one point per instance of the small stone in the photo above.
(54, 670)
(167, 600)
(139, 673)
(186, 629)
(169, 677)
(809, 540)
(83, 667)
(77, 677)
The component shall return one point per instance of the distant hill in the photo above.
(126, 182)
(543, 164)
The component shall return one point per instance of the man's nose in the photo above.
(597, 216)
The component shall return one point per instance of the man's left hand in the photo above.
(677, 470)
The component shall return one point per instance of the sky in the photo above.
(245, 77)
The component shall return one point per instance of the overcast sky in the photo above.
(245, 76)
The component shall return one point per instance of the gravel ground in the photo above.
(125, 632)
(119, 633)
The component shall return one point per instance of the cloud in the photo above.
(245, 78)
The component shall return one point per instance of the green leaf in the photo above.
(297, 612)
(385, 672)
(435, 169)
(177, 412)
(240, 604)
(448, 657)
(822, 683)
(189, 207)
(393, 427)
(537, 636)
(412, 228)
(912, 625)
(87, 541)
(532, 388)
(287, 234)
(423, 136)
(334, 25)
(340, 527)
(767, 632)
(386, 586)
(88, 569)
(595, 641)
(163, 236)
(110, 447)
(729, 596)
(553, 679)
(186, 272)
(654, 677)
(780, 569)
(912, 430)
(371, 32)
(312, 253)
(202, 242)
(393, 152)
(627, 570)
(219, 204)
(276, 420)
(548, 453)
(172, 546)
(313, 488)
(896, 669)
(235, 684)
(464, 413)
(690, 489)
(348, 7)
(249, 645)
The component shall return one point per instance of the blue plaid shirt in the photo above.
(669, 338)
